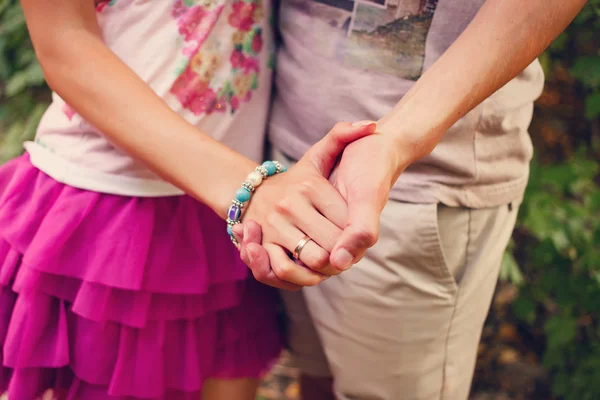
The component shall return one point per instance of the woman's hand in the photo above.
(303, 202)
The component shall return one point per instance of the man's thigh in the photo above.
(404, 323)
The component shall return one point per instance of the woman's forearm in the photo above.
(503, 39)
(104, 91)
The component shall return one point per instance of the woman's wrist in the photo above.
(234, 172)
(244, 193)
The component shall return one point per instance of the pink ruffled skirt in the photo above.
(113, 297)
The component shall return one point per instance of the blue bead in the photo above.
(270, 167)
(242, 195)
(230, 230)
(234, 213)
(283, 168)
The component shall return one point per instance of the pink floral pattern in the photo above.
(69, 111)
(196, 87)
(101, 4)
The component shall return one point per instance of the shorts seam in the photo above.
(445, 364)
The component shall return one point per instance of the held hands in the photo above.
(300, 202)
(366, 172)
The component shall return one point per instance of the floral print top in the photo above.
(196, 86)
(209, 60)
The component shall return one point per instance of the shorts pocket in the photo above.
(411, 239)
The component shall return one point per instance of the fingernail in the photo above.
(249, 255)
(342, 258)
(363, 123)
(245, 231)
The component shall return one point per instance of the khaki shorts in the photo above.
(405, 322)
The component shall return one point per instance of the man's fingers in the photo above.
(330, 203)
(361, 233)
(324, 154)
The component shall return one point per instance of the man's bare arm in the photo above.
(503, 39)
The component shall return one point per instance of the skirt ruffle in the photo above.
(114, 297)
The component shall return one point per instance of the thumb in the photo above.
(324, 154)
(361, 232)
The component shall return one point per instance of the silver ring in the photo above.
(300, 246)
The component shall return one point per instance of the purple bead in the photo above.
(234, 213)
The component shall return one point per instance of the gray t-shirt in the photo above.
(345, 60)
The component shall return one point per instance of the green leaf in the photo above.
(560, 43)
(33, 121)
(12, 145)
(587, 70)
(561, 384)
(560, 240)
(16, 84)
(592, 105)
(560, 331)
(524, 309)
(509, 269)
(35, 75)
(4, 4)
(13, 21)
(31, 76)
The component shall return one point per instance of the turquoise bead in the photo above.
(270, 167)
(242, 195)
(230, 230)
(283, 168)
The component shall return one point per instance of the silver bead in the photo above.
(248, 186)
(231, 222)
(238, 204)
(263, 171)
(279, 166)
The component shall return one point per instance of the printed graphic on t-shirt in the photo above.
(386, 36)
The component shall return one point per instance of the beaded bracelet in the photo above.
(243, 194)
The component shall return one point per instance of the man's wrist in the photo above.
(403, 147)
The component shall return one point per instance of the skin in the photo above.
(503, 39)
(69, 46)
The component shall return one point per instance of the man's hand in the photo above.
(364, 177)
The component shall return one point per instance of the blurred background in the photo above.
(542, 337)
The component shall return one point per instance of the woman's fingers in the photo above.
(256, 257)
(287, 270)
(307, 219)
(289, 237)
(259, 263)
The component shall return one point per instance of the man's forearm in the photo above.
(503, 39)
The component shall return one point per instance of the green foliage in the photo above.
(559, 240)
(577, 50)
(558, 233)
(23, 93)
